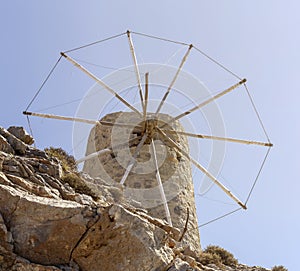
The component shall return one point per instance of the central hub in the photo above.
(150, 128)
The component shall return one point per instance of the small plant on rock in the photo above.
(219, 255)
(79, 185)
(70, 172)
(67, 161)
(279, 268)
(208, 258)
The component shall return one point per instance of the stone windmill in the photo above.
(146, 149)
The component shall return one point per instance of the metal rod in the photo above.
(208, 101)
(204, 170)
(95, 154)
(146, 96)
(161, 189)
(136, 68)
(50, 116)
(133, 158)
(242, 141)
(76, 64)
(174, 79)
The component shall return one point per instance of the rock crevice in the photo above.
(51, 220)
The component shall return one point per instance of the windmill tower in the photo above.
(145, 148)
(160, 179)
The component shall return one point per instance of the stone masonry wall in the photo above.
(141, 186)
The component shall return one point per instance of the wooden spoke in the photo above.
(76, 64)
(93, 155)
(133, 158)
(50, 116)
(174, 79)
(57, 117)
(136, 68)
(242, 141)
(126, 125)
(204, 170)
(206, 102)
(107, 150)
(161, 188)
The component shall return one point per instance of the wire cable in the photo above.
(44, 82)
(218, 63)
(159, 38)
(256, 179)
(218, 218)
(93, 43)
(30, 129)
(257, 114)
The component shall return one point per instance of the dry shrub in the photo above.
(279, 268)
(218, 256)
(208, 258)
(81, 186)
(67, 161)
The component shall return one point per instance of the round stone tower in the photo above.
(122, 132)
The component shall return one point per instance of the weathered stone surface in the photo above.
(19, 146)
(180, 265)
(21, 134)
(141, 187)
(24, 265)
(56, 221)
(40, 226)
(5, 146)
(7, 257)
(134, 237)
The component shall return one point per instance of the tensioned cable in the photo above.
(216, 62)
(218, 218)
(196, 48)
(44, 82)
(93, 43)
(253, 186)
(30, 129)
(118, 102)
(101, 66)
(59, 105)
(215, 200)
(204, 54)
(80, 99)
(97, 65)
(256, 179)
(159, 38)
(256, 112)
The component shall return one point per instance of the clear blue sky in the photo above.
(258, 40)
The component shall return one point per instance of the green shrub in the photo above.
(279, 268)
(67, 161)
(226, 257)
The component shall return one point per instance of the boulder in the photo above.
(18, 145)
(20, 133)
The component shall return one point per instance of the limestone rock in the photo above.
(19, 146)
(5, 146)
(134, 237)
(20, 133)
(50, 222)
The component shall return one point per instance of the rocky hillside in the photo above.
(54, 218)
